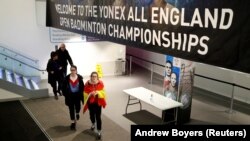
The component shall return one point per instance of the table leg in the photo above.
(169, 116)
(126, 111)
(176, 115)
(128, 103)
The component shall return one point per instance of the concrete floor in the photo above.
(53, 115)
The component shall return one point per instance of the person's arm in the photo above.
(85, 97)
(49, 67)
(64, 87)
(69, 58)
(82, 90)
(101, 94)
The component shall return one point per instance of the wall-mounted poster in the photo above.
(186, 83)
(171, 79)
(63, 36)
(92, 39)
(178, 85)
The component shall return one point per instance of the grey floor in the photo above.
(52, 115)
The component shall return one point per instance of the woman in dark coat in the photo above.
(55, 75)
(73, 87)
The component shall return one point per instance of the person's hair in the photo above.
(171, 66)
(177, 79)
(53, 54)
(94, 72)
(74, 66)
(169, 62)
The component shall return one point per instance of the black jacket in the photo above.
(54, 65)
(69, 97)
(64, 57)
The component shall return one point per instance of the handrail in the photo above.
(146, 60)
(233, 84)
(19, 54)
(21, 62)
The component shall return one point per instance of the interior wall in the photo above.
(214, 72)
(150, 56)
(21, 33)
(87, 55)
(235, 77)
(23, 30)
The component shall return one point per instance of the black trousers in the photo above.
(74, 107)
(64, 70)
(95, 115)
(56, 86)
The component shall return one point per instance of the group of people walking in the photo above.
(91, 94)
(57, 68)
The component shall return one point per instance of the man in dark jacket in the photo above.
(64, 58)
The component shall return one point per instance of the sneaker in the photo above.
(59, 93)
(99, 136)
(92, 127)
(77, 116)
(73, 126)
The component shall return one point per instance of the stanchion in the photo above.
(152, 73)
(230, 111)
(130, 64)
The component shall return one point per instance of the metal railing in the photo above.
(18, 63)
(10, 52)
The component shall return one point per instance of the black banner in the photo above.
(214, 32)
(190, 132)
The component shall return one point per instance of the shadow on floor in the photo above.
(143, 117)
(17, 125)
(59, 131)
(87, 135)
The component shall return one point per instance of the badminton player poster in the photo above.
(172, 71)
(178, 85)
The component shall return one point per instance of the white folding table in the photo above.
(138, 94)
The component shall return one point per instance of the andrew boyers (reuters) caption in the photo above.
(194, 30)
(190, 132)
